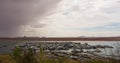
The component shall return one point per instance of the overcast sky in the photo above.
(59, 18)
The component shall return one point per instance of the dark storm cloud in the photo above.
(15, 13)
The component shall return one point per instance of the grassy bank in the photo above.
(6, 59)
(9, 59)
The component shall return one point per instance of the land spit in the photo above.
(62, 39)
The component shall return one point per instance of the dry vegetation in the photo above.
(6, 59)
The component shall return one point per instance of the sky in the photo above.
(59, 18)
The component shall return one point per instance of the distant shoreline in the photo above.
(63, 39)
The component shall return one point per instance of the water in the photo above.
(108, 51)
(6, 47)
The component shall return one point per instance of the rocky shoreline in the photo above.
(70, 50)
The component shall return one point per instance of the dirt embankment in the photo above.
(63, 39)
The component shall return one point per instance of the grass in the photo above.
(9, 59)
(6, 59)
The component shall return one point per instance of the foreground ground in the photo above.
(9, 59)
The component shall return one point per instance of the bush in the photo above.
(23, 56)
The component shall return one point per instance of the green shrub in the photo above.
(23, 56)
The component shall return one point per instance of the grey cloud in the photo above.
(38, 25)
(118, 1)
(112, 9)
(16, 13)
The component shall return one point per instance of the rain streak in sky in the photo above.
(59, 18)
